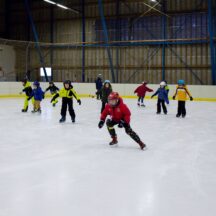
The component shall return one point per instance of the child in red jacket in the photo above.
(141, 92)
(120, 115)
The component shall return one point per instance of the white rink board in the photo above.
(206, 92)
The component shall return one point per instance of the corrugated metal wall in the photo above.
(135, 63)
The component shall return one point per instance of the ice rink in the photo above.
(52, 169)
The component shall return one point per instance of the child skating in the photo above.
(53, 90)
(162, 98)
(105, 92)
(181, 93)
(67, 93)
(38, 95)
(28, 92)
(141, 92)
(119, 115)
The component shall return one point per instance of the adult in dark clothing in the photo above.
(99, 84)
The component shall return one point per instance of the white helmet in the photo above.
(162, 83)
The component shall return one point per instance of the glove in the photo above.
(29, 99)
(173, 97)
(101, 124)
(191, 98)
(122, 124)
(152, 96)
(79, 102)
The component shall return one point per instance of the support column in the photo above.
(164, 26)
(105, 32)
(212, 45)
(83, 40)
(118, 37)
(36, 38)
(51, 37)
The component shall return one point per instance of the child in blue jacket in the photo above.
(162, 98)
(38, 95)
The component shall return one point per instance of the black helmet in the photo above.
(25, 80)
(67, 82)
(51, 83)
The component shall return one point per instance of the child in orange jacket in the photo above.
(181, 93)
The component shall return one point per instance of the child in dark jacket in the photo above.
(141, 92)
(53, 90)
(162, 98)
(38, 95)
(105, 92)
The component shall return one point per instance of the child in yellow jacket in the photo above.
(67, 93)
(181, 93)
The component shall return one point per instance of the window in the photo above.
(48, 71)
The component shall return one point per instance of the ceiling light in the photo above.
(62, 6)
(51, 2)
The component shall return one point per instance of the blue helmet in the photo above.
(181, 82)
(106, 81)
(36, 83)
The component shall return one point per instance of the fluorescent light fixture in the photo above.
(51, 2)
(62, 6)
(153, 0)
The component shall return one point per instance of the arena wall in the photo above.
(200, 93)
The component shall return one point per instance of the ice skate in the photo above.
(73, 119)
(63, 119)
(142, 145)
(142, 105)
(114, 141)
(138, 104)
(25, 110)
(177, 115)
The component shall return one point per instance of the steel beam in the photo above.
(164, 36)
(36, 38)
(7, 19)
(118, 37)
(105, 32)
(212, 45)
(51, 37)
(83, 40)
(186, 65)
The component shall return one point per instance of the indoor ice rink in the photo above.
(47, 168)
(93, 55)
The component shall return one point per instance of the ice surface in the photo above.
(52, 169)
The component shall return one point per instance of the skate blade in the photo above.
(114, 145)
